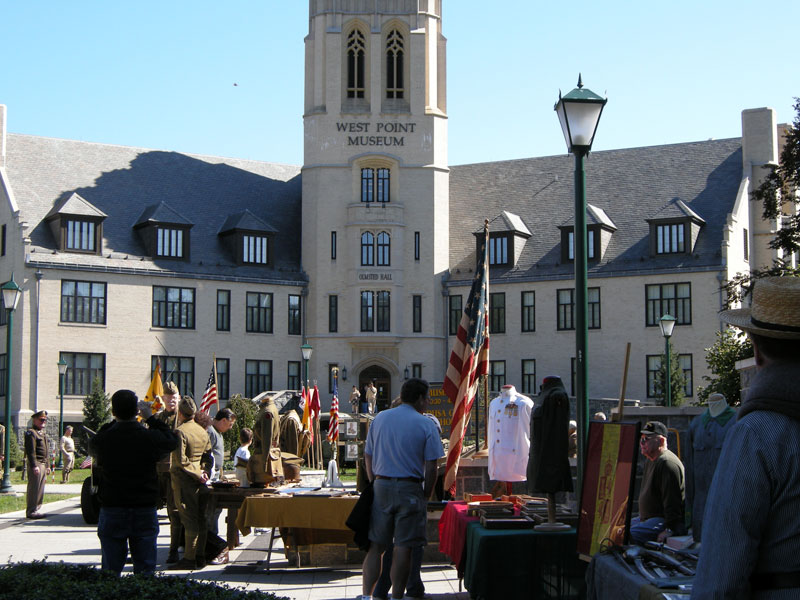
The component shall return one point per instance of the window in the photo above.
(293, 375)
(528, 376)
(383, 249)
(394, 65)
(83, 302)
(685, 361)
(573, 375)
(416, 370)
(454, 311)
(497, 375)
(653, 367)
(416, 317)
(383, 312)
(331, 368)
(498, 250)
(294, 314)
(4, 374)
(375, 311)
(223, 378)
(416, 245)
(3, 311)
(80, 235)
(179, 369)
(669, 238)
(497, 312)
(223, 310)
(356, 51)
(333, 245)
(745, 239)
(82, 369)
(173, 307)
(593, 300)
(367, 311)
(566, 310)
(3, 241)
(528, 317)
(367, 249)
(333, 314)
(673, 299)
(257, 377)
(375, 184)
(259, 313)
(255, 249)
(169, 242)
(589, 244)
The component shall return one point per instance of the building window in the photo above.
(83, 302)
(80, 235)
(566, 310)
(454, 311)
(3, 375)
(669, 238)
(589, 244)
(673, 299)
(223, 310)
(331, 367)
(394, 65)
(179, 369)
(416, 317)
(383, 313)
(259, 312)
(294, 314)
(293, 375)
(82, 369)
(593, 300)
(416, 370)
(169, 242)
(367, 311)
(497, 312)
(383, 184)
(223, 378)
(528, 376)
(573, 375)
(3, 240)
(745, 239)
(528, 317)
(498, 250)
(257, 377)
(375, 184)
(333, 245)
(685, 361)
(653, 367)
(497, 375)
(255, 249)
(333, 314)
(367, 249)
(173, 307)
(3, 311)
(383, 249)
(416, 245)
(356, 51)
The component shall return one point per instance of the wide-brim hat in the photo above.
(774, 311)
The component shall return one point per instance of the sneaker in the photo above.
(36, 515)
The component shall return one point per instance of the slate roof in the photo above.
(129, 184)
(629, 186)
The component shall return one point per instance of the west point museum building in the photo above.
(127, 255)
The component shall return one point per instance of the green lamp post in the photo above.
(62, 370)
(667, 324)
(11, 293)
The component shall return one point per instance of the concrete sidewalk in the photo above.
(63, 536)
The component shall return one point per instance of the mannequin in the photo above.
(707, 433)
(509, 435)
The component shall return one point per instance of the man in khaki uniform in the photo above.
(265, 465)
(37, 453)
(167, 416)
(188, 484)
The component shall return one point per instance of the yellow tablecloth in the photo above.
(308, 512)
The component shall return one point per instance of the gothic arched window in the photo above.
(394, 65)
(355, 64)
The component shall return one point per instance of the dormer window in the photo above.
(590, 248)
(674, 229)
(507, 237)
(76, 225)
(250, 239)
(255, 249)
(599, 229)
(169, 242)
(80, 236)
(670, 238)
(498, 249)
(164, 232)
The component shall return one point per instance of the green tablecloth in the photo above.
(522, 563)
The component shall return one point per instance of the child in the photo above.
(242, 456)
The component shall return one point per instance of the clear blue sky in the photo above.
(161, 74)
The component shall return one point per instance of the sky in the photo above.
(226, 78)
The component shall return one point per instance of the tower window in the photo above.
(394, 65)
(375, 184)
(355, 64)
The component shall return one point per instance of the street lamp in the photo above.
(667, 324)
(306, 349)
(579, 113)
(11, 294)
(62, 370)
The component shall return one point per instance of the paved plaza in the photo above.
(63, 536)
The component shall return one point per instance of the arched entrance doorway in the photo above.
(383, 381)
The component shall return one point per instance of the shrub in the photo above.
(245, 410)
(55, 581)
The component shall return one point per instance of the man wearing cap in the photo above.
(751, 533)
(37, 453)
(168, 416)
(662, 494)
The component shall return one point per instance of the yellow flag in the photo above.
(155, 389)
(306, 408)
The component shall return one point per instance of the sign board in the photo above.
(439, 405)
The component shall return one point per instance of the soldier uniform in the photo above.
(266, 445)
(37, 454)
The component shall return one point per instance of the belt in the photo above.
(775, 581)
(414, 479)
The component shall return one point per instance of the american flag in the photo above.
(333, 426)
(468, 360)
(86, 463)
(210, 395)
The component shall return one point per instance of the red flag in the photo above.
(468, 360)
(333, 426)
(210, 395)
(316, 409)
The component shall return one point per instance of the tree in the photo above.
(96, 408)
(677, 380)
(245, 410)
(730, 347)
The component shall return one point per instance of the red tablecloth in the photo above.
(453, 533)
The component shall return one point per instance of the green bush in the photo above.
(245, 410)
(55, 581)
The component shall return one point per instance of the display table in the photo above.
(522, 563)
(453, 533)
(608, 579)
(231, 499)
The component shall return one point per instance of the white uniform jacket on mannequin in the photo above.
(509, 435)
